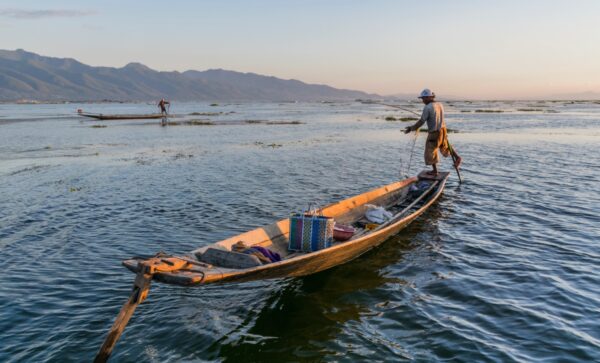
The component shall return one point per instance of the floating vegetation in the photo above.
(74, 189)
(214, 104)
(199, 123)
(182, 156)
(529, 109)
(262, 144)
(466, 111)
(403, 119)
(489, 111)
(205, 113)
(265, 122)
(191, 123)
(551, 111)
(142, 162)
(98, 126)
(285, 123)
(36, 168)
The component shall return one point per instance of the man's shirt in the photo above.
(433, 114)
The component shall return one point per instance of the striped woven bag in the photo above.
(310, 233)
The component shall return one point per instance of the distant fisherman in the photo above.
(162, 104)
(437, 138)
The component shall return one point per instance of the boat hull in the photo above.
(124, 117)
(307, 263)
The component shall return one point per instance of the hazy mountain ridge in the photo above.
(26, 75)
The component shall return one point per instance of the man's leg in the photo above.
(456, 157)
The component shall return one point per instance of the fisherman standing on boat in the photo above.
(437, 138)
(162, 104)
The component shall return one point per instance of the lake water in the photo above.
(505, 267)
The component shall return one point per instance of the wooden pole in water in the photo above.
(140, 292)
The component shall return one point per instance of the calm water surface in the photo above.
(505, 267)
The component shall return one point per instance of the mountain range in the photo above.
(26, 75)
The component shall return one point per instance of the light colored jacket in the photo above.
(433, 114)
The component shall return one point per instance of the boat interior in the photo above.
(215, 261)
(398, 199)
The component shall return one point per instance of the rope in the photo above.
(412, 152)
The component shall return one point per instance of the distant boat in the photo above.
(101, 116)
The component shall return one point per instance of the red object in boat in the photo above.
(342, 232)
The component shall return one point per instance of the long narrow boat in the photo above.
(101, 116)
(217, 263)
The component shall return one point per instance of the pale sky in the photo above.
(467, 48)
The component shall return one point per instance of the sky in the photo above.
(459, 48)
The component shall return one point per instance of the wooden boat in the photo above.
(216, 263)
(275, 237)
(101, 116)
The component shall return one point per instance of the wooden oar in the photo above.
(140, 292)
(141, 287)
(447, 141)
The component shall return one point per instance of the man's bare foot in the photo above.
(457, 162)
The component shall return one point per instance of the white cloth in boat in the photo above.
(377, 214)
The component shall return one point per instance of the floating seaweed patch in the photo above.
(529, 109)
(98, 126)
(191, 123)
(199, 123)
(285, 123)
(181, 155)
(263, 145)
(36, 168)
(265, 122)
(205, 113)
(489, 111)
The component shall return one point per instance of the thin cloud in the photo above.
(40, 14)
